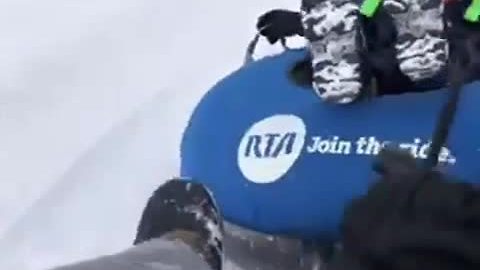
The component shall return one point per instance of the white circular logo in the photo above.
(270, 148)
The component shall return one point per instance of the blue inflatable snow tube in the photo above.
(280, 161)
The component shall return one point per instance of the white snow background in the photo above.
(94, 95)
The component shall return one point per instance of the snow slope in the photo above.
(93, 98)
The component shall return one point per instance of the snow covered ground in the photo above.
(94, 95)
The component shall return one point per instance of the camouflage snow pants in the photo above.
(336, 40)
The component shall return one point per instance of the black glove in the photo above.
(277, 24)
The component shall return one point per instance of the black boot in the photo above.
(183, 210)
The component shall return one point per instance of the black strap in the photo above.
(448, 112)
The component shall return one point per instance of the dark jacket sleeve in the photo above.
(157, 254)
